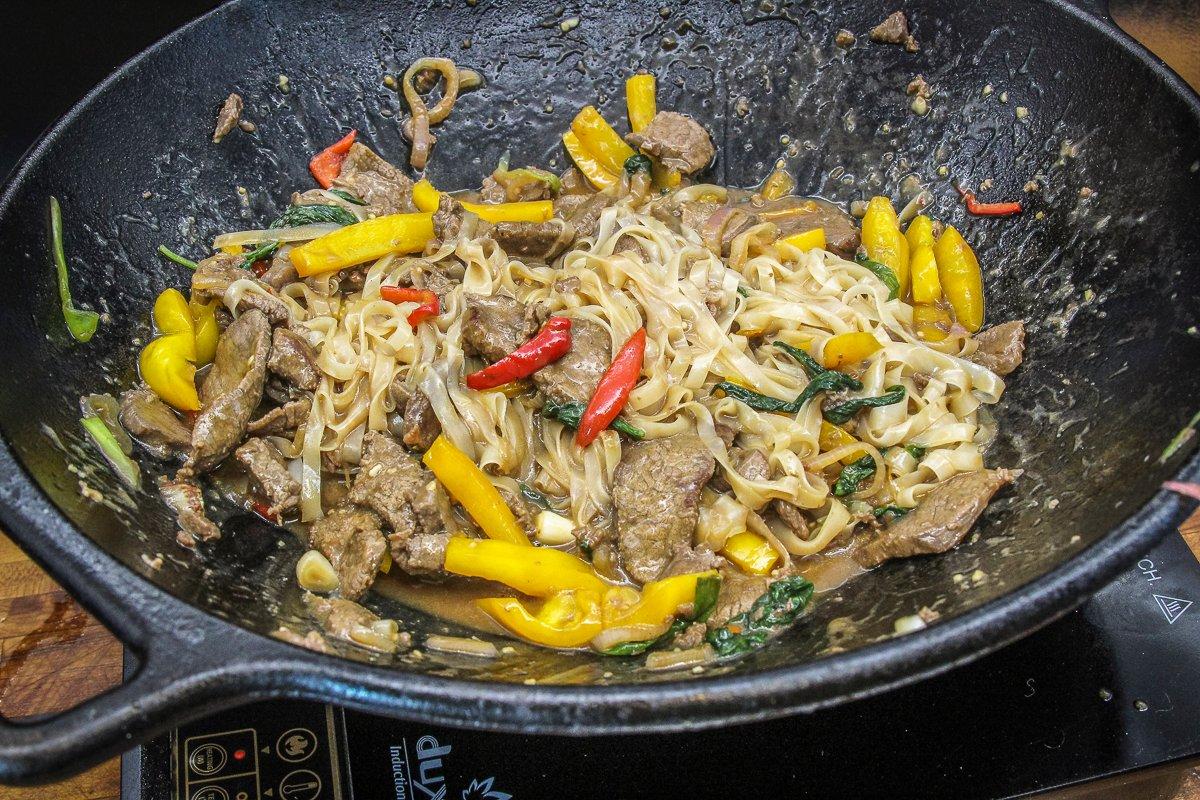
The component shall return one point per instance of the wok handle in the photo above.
(1097, 8)
(149, 701)
(189, 665)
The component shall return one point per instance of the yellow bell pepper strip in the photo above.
(807, 240)
(204, 318)
(172, 316)
(233, 249)
(467, 484)
(930, 322)
(660, 601)
(848, 348)
(832, 437)
(568, 619)
(639, 100)
(883, 240)
(599, 139)
(920, 231)
(426, 198)
(363, 241)
(167, 370)
(926, 285)
(751, 553)
(961, 278)
(586, 163)
(535, 571)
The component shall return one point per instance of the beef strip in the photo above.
(350, 537)
(574, 376)
(894, 30)
(346, 620)
(421, 425)
(738, 592)
(400, 490)
(440, 278)
(448, 219)
(677, 140)
(153, 423)
(215, 274)
(282, 420)
(798, 214)
(521, 511)
(384, 189)
(686, 560)
(423, 554)
(792, 516)
(231, 390)
(750, 464)
(582, 211)
(281, 272)
(294, 360)
(537, 241)
(270, 476)
(183, 496)
(495, 326)
(313, 640)
(941, 520)
(227, 117)
(656, 493)
(1001, 347)
(597, 531)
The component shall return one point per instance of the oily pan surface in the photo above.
(1107, 284)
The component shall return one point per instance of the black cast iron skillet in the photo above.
(1109, 285)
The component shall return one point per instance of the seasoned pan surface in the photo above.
(1103, 268)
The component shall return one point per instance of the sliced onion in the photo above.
(461, 646)
(300, 233)
(675, 659)
(449, 94)
(710, 231)
(629, 633)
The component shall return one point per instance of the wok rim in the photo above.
(32, 519)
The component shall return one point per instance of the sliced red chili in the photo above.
(987, 209)
(326, 165)
(263, 510)
(428, 304)
(612, 392)
(260, 267)
(550, 344)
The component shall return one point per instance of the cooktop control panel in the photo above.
(291, 753)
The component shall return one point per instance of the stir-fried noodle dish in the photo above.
(617, 409)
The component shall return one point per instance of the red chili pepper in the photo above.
(260, 267)
(551, 343)
(612, 392)
(987, 209)
(263, 510)
(327, 164)
(429, 305)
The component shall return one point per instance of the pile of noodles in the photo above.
(696, 323)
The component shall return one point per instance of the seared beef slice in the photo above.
(656, 491)
(232, 389)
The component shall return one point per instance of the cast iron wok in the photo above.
(1108, 283)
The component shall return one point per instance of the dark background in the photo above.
(55, 52)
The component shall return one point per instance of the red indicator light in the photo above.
(239, 754)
